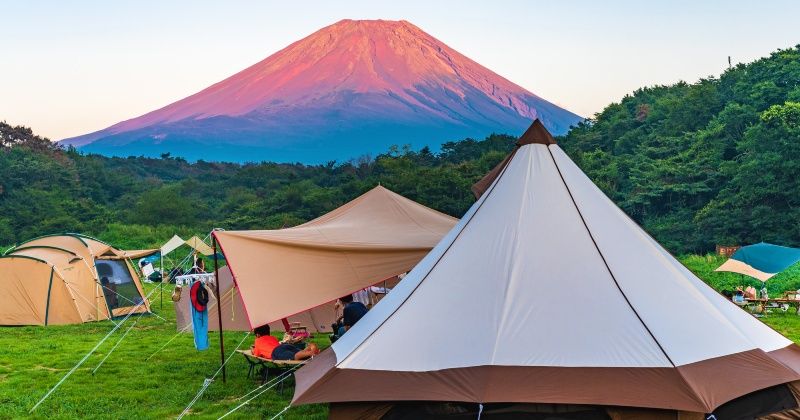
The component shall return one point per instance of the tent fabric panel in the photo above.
(766, 257)
(174, 243)
(661, 388)
(509, 269)
(374, 237)
(276, 281)
(34, 294)
(63, 306)
(233, 315)
(23, 286)
(54, 256)
(73, 244)
(198, 245)
(80, 278)
(739, 267)
(139, 253)
(701, 324)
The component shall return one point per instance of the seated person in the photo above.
(268, 347)
(738, 297)
(352, 313)
(199, 267)
(265, 343)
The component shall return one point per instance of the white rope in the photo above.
(275, 382)
(115, 346)
(182, 330)
(270, 382)
(281, 413)
(68, 284)
(480, 411)
(169, 341)
(208, 381)
(130, 301)
(86, 357)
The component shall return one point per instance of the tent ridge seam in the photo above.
(696, 394)
(484, 197)
(608, 268)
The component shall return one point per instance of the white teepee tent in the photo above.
(562, 299)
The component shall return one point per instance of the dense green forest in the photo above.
(717, 161)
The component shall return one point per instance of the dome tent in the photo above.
(646, 336)
(67, 279)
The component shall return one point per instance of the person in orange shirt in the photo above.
(265, 343)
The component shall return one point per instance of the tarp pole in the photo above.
(219, 308)
(161, 283)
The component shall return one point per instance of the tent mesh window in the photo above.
(118, 286)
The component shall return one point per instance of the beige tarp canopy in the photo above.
(67, 279)
(194, 242)
(139, 253)
(374, 237)
(317, 319)
(198, 245)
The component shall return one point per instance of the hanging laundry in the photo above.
(199, 296)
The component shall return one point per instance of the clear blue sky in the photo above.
(71, 67)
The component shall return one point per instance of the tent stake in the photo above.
(219, 308)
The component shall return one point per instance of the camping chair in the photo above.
(265, 365)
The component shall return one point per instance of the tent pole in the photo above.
(161, 283)
(219, 308)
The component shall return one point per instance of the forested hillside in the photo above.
(717, 161)
(138, 202)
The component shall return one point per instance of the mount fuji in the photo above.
(349, 89)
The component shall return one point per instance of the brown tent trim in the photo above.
(535, 134)
(697, 387)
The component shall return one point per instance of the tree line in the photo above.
(696, 164)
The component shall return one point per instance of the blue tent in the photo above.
(761, 261)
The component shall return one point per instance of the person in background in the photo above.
(268, 347)
(351, 313)
(738, 297)
(199, 267)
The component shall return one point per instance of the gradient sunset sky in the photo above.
(72, 67)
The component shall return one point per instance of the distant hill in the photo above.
(713, 162)
(352, 88)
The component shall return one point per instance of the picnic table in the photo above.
(775, 303)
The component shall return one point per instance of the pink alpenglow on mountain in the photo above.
(350, 89)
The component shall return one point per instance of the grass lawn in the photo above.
(33, 359)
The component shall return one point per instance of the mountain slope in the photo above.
(351, 88)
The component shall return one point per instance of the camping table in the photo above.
(187, 279)
(779, 302)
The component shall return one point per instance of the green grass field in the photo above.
(33, 359)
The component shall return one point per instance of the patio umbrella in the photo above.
(761, 261)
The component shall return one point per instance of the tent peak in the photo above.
(536, 134)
